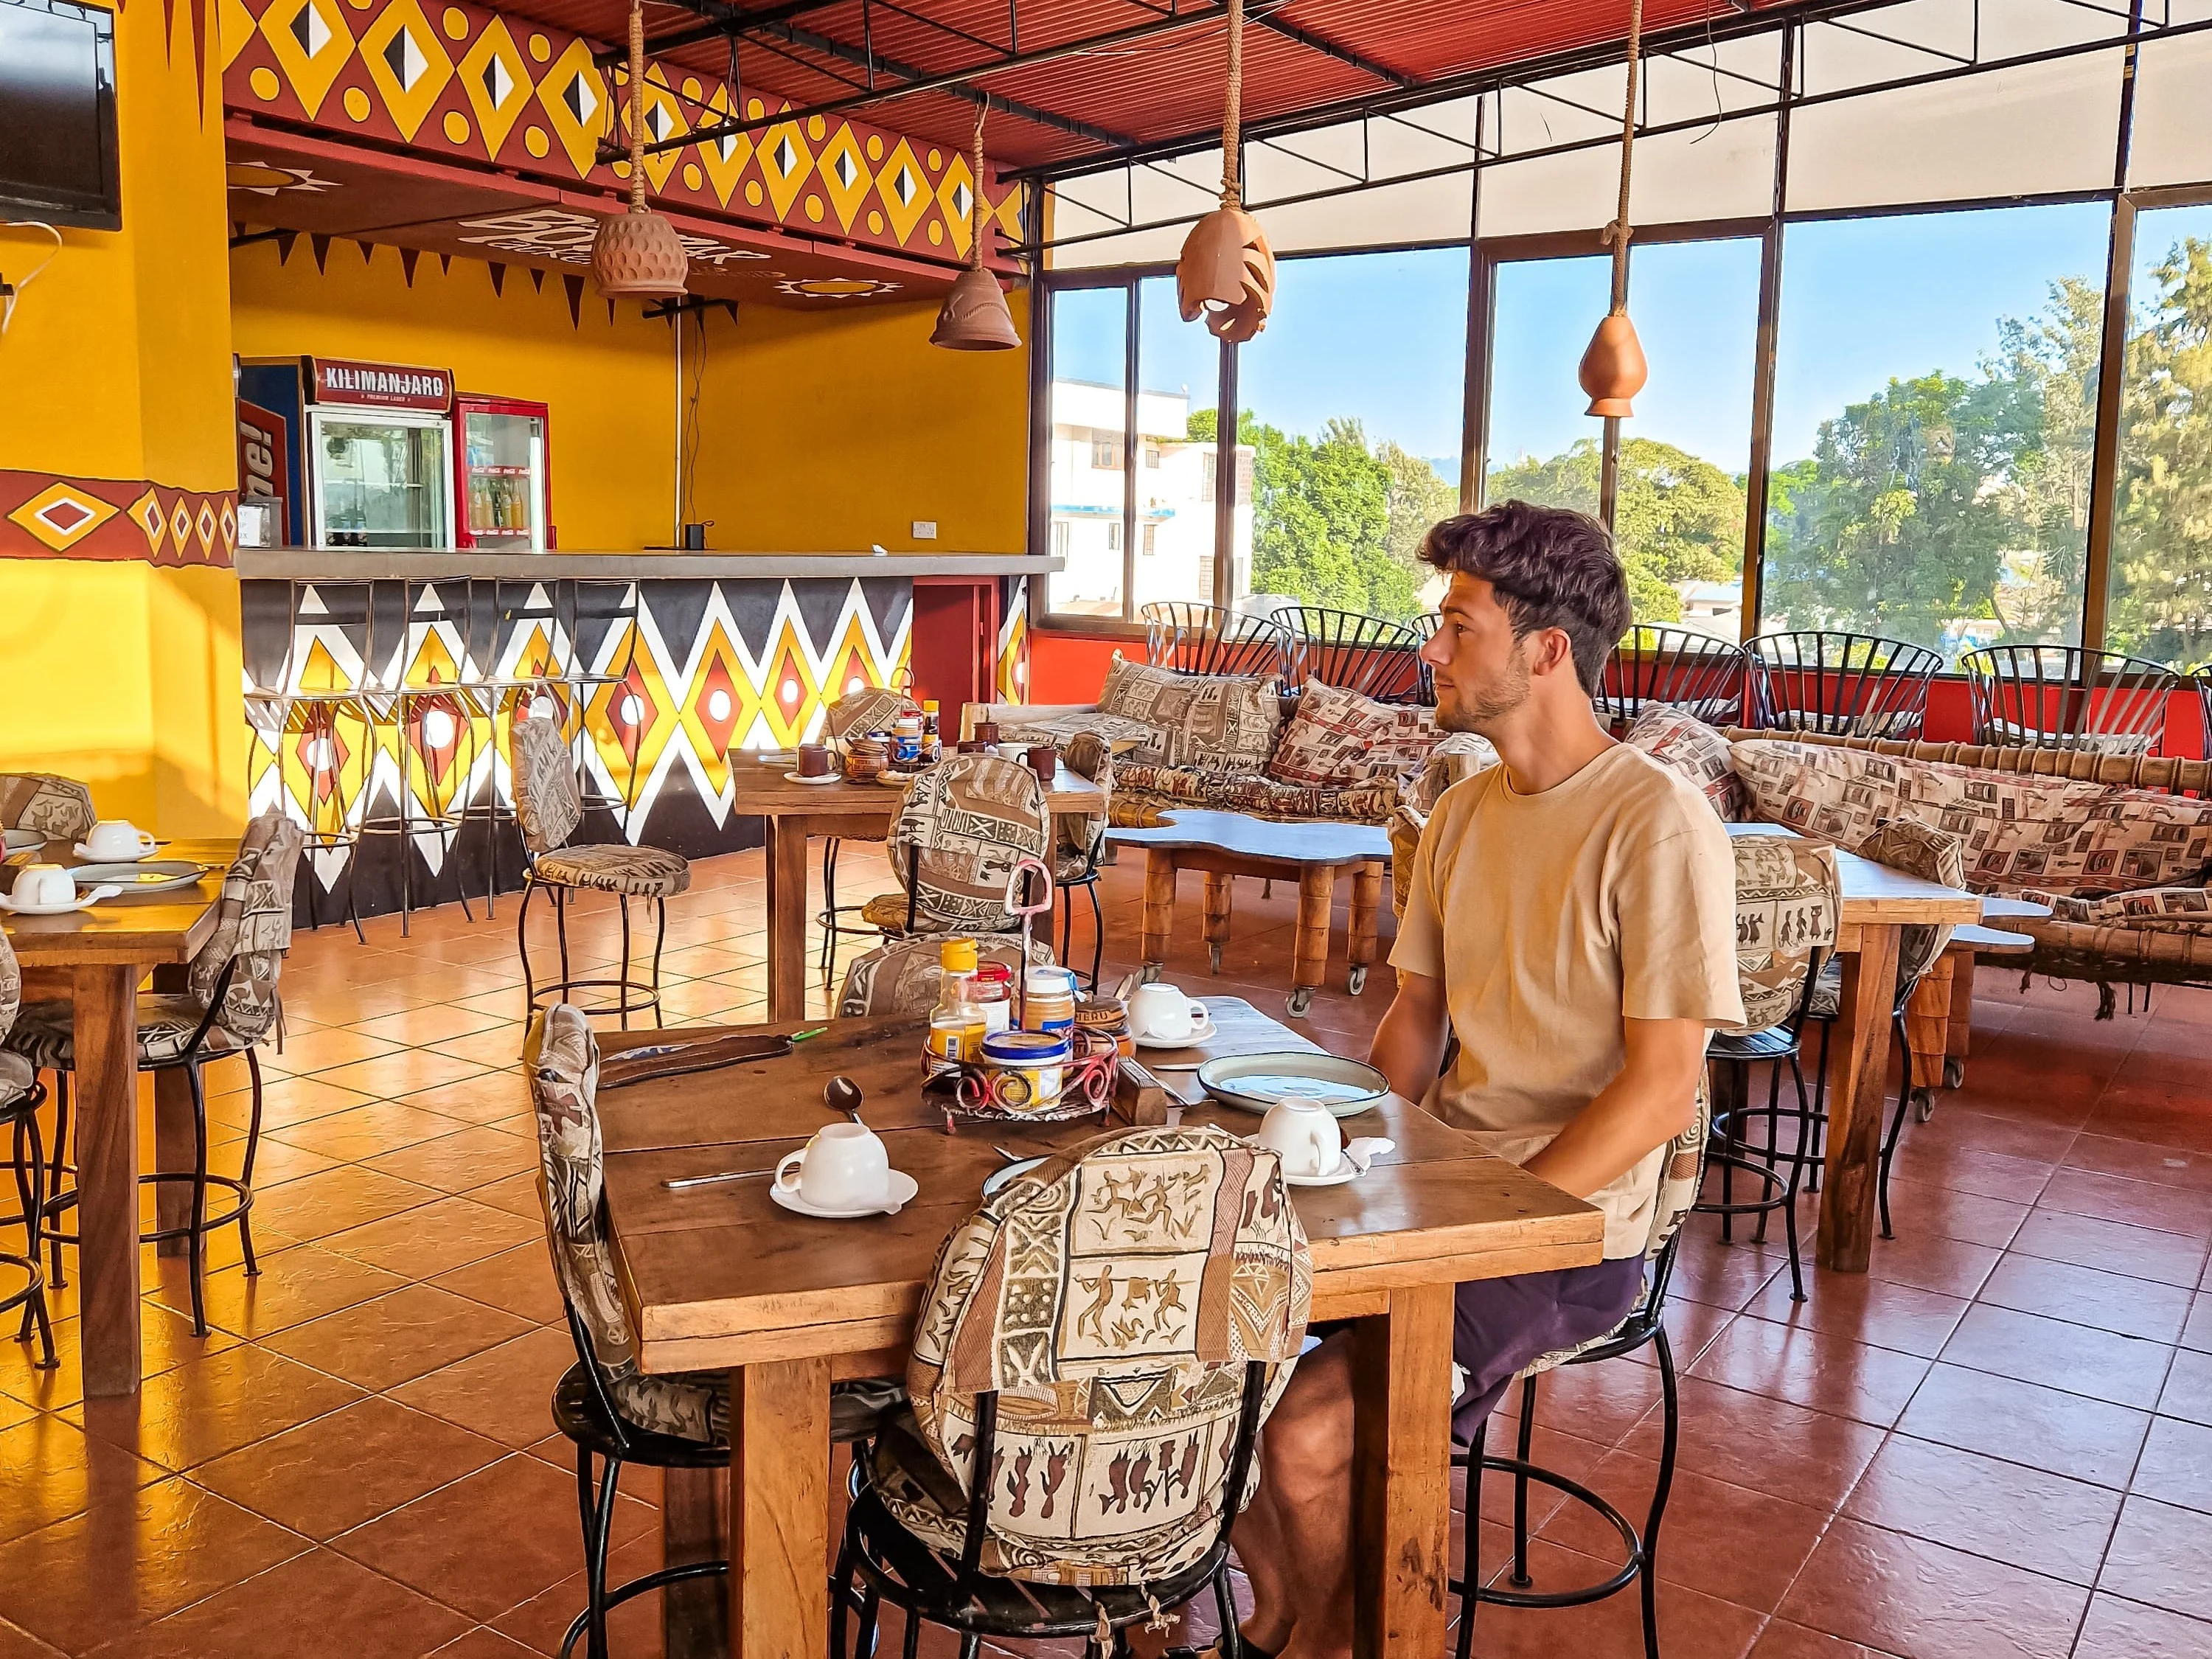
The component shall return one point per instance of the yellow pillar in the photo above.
(119, 610)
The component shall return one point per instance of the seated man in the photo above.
(1572, 922)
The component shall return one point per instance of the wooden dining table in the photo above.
(1878, 903)
(720, 1278)
(793, 813)
(95, 959)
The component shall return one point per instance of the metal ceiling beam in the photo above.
(1320, 43)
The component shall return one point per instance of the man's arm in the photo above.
(1409, 1043)
(1647, 1105)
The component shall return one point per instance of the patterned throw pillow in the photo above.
(1683, 744)
(1456, 755)
(1787, 909)
(1218, 722)
(1918, 849)
(1339, 737)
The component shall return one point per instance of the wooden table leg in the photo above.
(1401, 1475)
(107, 1035)
(786, 918)
(1858, 1065)
(1219, 891)
(1927, 1020)
(780, 1509)
(175, 1149)
(1159, 903)
(1309, 952)
(1366, 901)
(695, 1614)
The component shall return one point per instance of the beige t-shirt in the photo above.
(1552, 917)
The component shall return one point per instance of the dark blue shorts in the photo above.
(1501, 1324)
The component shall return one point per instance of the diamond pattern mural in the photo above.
(45, 517)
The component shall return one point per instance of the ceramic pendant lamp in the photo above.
(1227, 271)
(637, 255)
(1612, 368)
(974, 317)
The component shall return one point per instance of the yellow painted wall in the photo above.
(611, 386)
(117, 366)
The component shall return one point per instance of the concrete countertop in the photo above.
(379, 564)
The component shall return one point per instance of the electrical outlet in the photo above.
(925, 530)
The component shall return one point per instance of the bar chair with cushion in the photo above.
(60, 809)
(1846, 685)
(1672, 667)
(2060, 696)
(1205, 639)
(229, 1005)
(1372, 655)
(857, 713)
(964, 825)
(1678, 1180)
(1788, 903)
(549, 806)
(1118, 1453)
(1078, 842)
(20, 1095)
(607, 1408)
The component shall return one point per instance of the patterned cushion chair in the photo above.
(229, 1005)
(548, 805)
(20, 1097)
(1105, 1336)
(965, 824)
(871, 708)
(605, 1404)
(1680, 1179)
(58, 808)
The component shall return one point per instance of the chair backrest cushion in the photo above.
(253, 924)
(871, 708)
(1219, 722)
(1918, 849)
(1112, 1297)
(1340, 737)
(902, 977)
(548, 805)
(11, 986)
(965, 824)
(1787, 900)
(59, 808)
(1682, 744)
(1088, 754)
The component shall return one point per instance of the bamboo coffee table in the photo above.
(1225, 845)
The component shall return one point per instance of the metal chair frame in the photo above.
(1191, 638)
(2063, 696)
(23, 1114)
(1354, 652)
(1424, 628)
(622, 611)
(1855, 685)
(632, 995)
(1656, 666)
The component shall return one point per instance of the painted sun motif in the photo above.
(262, 178)
(835, 287)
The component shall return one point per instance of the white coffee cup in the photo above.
(1304, 1135)
(43, 884)
(117, 838)
(1161, 1011)
(844, 1167)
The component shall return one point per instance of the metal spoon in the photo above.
(841, 1094)
(687, 1181)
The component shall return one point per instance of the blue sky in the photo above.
(1383, 337)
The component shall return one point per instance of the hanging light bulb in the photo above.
(637, 255)
(1227, 271)
(1613, 368)
(974, 317)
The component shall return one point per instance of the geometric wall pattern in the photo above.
(43, 516)
(459, 81)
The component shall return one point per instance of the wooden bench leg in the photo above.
(1366, 901)
(1958, 1028)
(1218, 895)
(1159, 906)
(1310, 960)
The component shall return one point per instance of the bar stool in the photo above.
(507, 681)
(20, 1095)
(600, 609)
(433, 717)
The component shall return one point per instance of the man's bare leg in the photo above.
(1295, 1541)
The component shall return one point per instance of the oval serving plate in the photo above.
(1253, 1083)
(158, 876)
(999, 1180)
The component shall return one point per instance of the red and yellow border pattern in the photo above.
(44, 516)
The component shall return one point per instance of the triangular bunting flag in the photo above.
(498, 280)
(444, 265)
(368, 250)
(200, 32)
(285, 241)
(321, 244)
(611, 313)
(574, 285)
(408, 256)
(537, 279)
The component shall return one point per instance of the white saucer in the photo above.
(1200, 1035)
(903, 1188)
(91, 857)
(800, 777)
(84, 901)
(22, 841)
(1346, 1169)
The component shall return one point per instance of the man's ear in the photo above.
(1553, 653)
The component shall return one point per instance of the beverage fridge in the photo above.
(502, 485)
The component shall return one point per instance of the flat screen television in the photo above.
(57, 147)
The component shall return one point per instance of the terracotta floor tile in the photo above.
(2124, 1369)
(1958, 1126)
(1783, 1640)
(165, 1341)
(483, 1098)
(381, 1454)
(2127, 1630)
(1909, 1596)
(501, 1393)
(2188, 1393)
(2165, 1113)
(1811, 1368)
(520, 1517)
(2196, 1333)
(2157, 1555)
(1730, 1276)
(2113, 1247)
(312, 1052)
(16, 1643)
(1768, 1446)
(1933, 1263)
(1901, 1316)
(2177, 1464)
(50, 1470)
(1917, 1208)
(516, 1194)
(498, 1046)
(285, 1101)
(366, 1132)
(298, 1608)
(433, 1023)
(125, 1563)
(1563, 1454)
(482, 1642)
(1972, 1170)
(407, 1072)
(632, 1629)
(274, 1163)
(1600, 1403)
(206, 1407)
(2172, 1208)
(2140, 1161)
(520, 1280)
(2084, 1295)
(2042, 1523)
(1689, 1623)
(393, 1339)
(450, 1232)
(318, 1206)
(2041, 1428)
(454, 1163)
(312, 1282)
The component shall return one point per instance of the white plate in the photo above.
(799, 777)
(1198, 1039)
(895, 779)
(1346, 1087)
(89, 856)
(83, 902)
(156, 878)
(903, 1188)
(22, 841)
(1346, 1169)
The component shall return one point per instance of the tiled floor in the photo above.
(1997, 1443)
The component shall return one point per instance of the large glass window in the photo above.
(1090, 413)
(1542, 447)
(2161, 582)
(1178, 383)
(1350, 406)
(1935, 398)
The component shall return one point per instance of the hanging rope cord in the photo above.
(976, 239)
(637, 107)
(1617, 233)
(1232, 117)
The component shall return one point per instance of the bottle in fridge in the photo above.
(503, 457)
